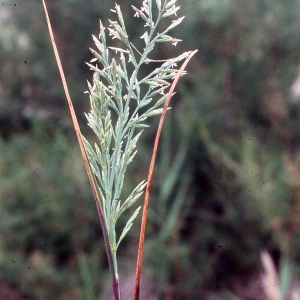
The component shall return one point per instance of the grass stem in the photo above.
(149, 180)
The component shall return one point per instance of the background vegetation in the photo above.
(226, 183)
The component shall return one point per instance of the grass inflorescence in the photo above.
(122, 98)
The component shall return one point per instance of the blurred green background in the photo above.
(227, 178)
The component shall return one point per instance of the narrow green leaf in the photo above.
(139, 125)
(158, 3)
(174, 24)
(153, 112)
(140, 14)
(171, 11)
(131, 199)
(170, 3)
(128, 225)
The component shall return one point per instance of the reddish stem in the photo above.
(150, 174)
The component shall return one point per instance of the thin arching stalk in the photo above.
(115, 279)
(150, 174)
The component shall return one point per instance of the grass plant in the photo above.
(122, 98)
